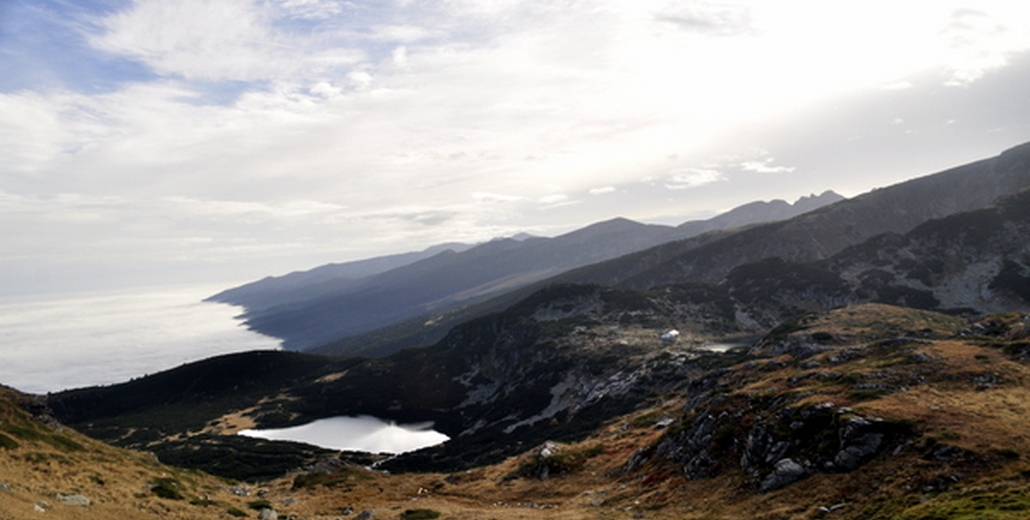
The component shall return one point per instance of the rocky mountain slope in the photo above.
(870, 411)
(568, 357)
(824, 232)
(328, 303)
(570, 354)
(971, 263)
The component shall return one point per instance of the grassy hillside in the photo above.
(50, 471)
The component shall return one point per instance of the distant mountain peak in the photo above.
(813, 201)
(517, 237)
(828, 195)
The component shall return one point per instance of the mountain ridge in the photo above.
(709, 257)
(448, 280)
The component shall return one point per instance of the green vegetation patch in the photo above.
(27, 431)
(343, 477)
(1007, 504)
(259, 504)
(237, 457)
(866, 394)
(561, 463)
(166, 487)
(7, 443)
(38, 457)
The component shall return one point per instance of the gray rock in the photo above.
(268, 514)
(777, 451)
(756, 448)
(365, 515)
(637, 459)
(786, 473)
(858, 451)
(548, 449)
(945, 453)
(664, 422)
(73, 500)
(857, 443)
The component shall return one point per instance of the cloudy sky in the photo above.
(148, 142)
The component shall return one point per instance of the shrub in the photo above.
(259, 504)
(166, 487)
(822, 337)
(420, 514)
(7, 443)
(560, 463)
(866, 394)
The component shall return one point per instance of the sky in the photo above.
(148, 142)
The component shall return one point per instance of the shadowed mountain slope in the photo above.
(709, 258)
(322, 280)
(313, 308)
(821, 233)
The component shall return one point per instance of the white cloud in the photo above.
(313, 9)
(602, 190)
(216, 40)
(403, 33)
(325, 89)
(290, 209)
(980, 41)
(359, 78)
(553, 198)
(685, 178)
(764, 166)
(400, 56)
(897, 85)
(709, 18)
(485, 197)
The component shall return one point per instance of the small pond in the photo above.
(720, 347)
(362, 433)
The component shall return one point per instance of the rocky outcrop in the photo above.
(772, 439)
(784, 474)
(776, 451)
(73, 500)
